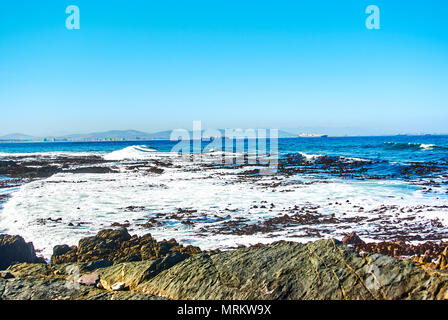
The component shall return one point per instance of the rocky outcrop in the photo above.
(118, 246)
(14, 249)
(325, 269)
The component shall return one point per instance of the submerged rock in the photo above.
(14, 249)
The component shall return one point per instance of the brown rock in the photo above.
(118, 246)
(353, 239)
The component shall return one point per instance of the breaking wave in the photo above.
(139, 152)
(414, 146)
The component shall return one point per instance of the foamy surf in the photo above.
(139, 152)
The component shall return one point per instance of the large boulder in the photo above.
(14, 249)
(118, 246)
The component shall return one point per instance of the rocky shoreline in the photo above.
(115, 265)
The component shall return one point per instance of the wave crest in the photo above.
(138, 152)
(414, 146)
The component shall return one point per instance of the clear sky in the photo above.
(156, 65)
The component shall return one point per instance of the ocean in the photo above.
(383, 188)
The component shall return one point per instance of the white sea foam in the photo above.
(140, 152)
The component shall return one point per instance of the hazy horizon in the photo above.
(349, 133)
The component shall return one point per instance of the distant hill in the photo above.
(113, 135)
(108, 135)
(18, 137)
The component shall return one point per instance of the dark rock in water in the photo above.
(155, 170)
(11, 169)
(8, 164)
(119, 246)
(352, 238)
(13, 249)
(92, 170)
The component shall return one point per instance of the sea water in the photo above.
(86, 203)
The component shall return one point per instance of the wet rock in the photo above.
(14, 249)
(23, 171)
(96, 170)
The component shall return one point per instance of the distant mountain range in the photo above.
(113, 135)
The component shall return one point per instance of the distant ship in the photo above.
(312, 135)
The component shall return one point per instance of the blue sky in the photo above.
(156, 65)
